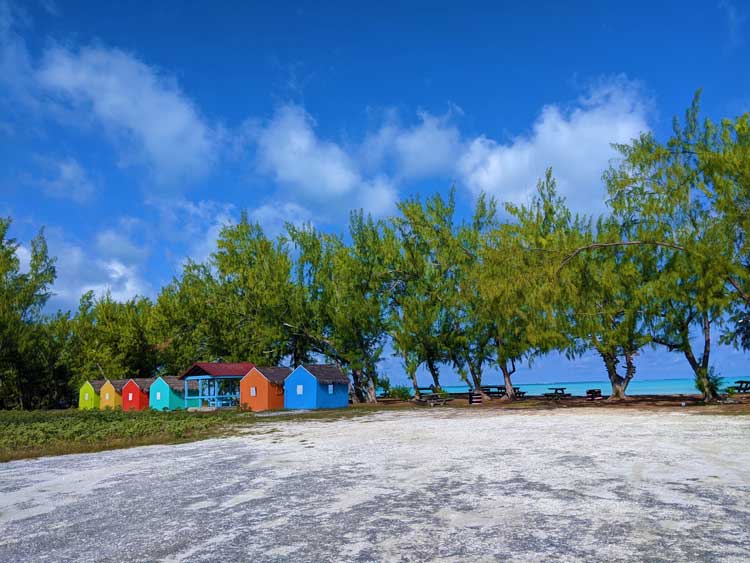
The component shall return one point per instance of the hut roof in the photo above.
(118, 384)
(274, 374)
(218, 369)
(178, 385)
(327, 373)
(143, 383)
(97, 384)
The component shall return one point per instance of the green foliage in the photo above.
(401, 392)
(709, 386)
(670, 260)
(40, 432)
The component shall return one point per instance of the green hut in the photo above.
(88, 395)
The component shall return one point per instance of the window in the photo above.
(300, 389)
(130, 396)
(158, 395)
(106, 396)
(85, 396)
(253, 392)
(330, 388)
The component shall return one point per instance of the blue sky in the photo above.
(133, 132)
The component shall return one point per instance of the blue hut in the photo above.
(316, 387)
(218, 382)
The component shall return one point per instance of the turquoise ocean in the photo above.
(684, 386)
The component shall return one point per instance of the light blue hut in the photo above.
(316, 387)
(167, 394)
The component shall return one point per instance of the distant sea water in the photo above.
(684, 386)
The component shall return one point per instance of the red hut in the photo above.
(135, 394)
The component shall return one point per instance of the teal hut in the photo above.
(167, 394)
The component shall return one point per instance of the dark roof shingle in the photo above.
(327, 373)
(178, 384)
(143, 383)
(97, 384)
(218, 369)
(118, 384)
(275, 375)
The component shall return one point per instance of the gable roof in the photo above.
(327, 373)
(179, 385)
(97, 384)
(275, 375)
(143, 383)
(118, 384)
(218, 369)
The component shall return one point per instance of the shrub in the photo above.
(400, 392)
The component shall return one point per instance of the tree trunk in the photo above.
(359, 383)
(434, 372)
(476, 377)
(700, 368)
(413, 376)
(371, 393)
(510, 394)
(619, 383)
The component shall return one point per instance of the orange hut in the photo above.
(110, 395)
(262, 388)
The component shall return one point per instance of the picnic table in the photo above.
(742, 386)
(428, 396)
(495, 391)
(557, 393)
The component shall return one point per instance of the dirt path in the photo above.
(445, 485)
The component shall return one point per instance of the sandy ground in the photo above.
(440, 484)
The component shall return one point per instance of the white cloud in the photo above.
(426, 149)
(274, 217)
(117, 242)
(24, 258)
(197, 225)
(79, 272)
(575, 142)
(145, 111)
(320, 172)
(67, 180)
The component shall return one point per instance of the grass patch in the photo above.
(26, 434)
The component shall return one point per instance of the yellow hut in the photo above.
(110, 395)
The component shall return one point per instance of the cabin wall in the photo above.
(159, 396)
(90, 402)
(109, 397)
(336, 400)
(307, 400)
(267, 395)
(139, 400)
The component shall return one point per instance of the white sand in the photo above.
(438, 484)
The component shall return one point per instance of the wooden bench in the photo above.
(740, 386)
(475, 398)
(594, 394)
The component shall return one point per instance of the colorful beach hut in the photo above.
(218, 382)
(310, 386)
(166, 393)
(262, 388)
(88, 395)
(135, 394)
(110, 395)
